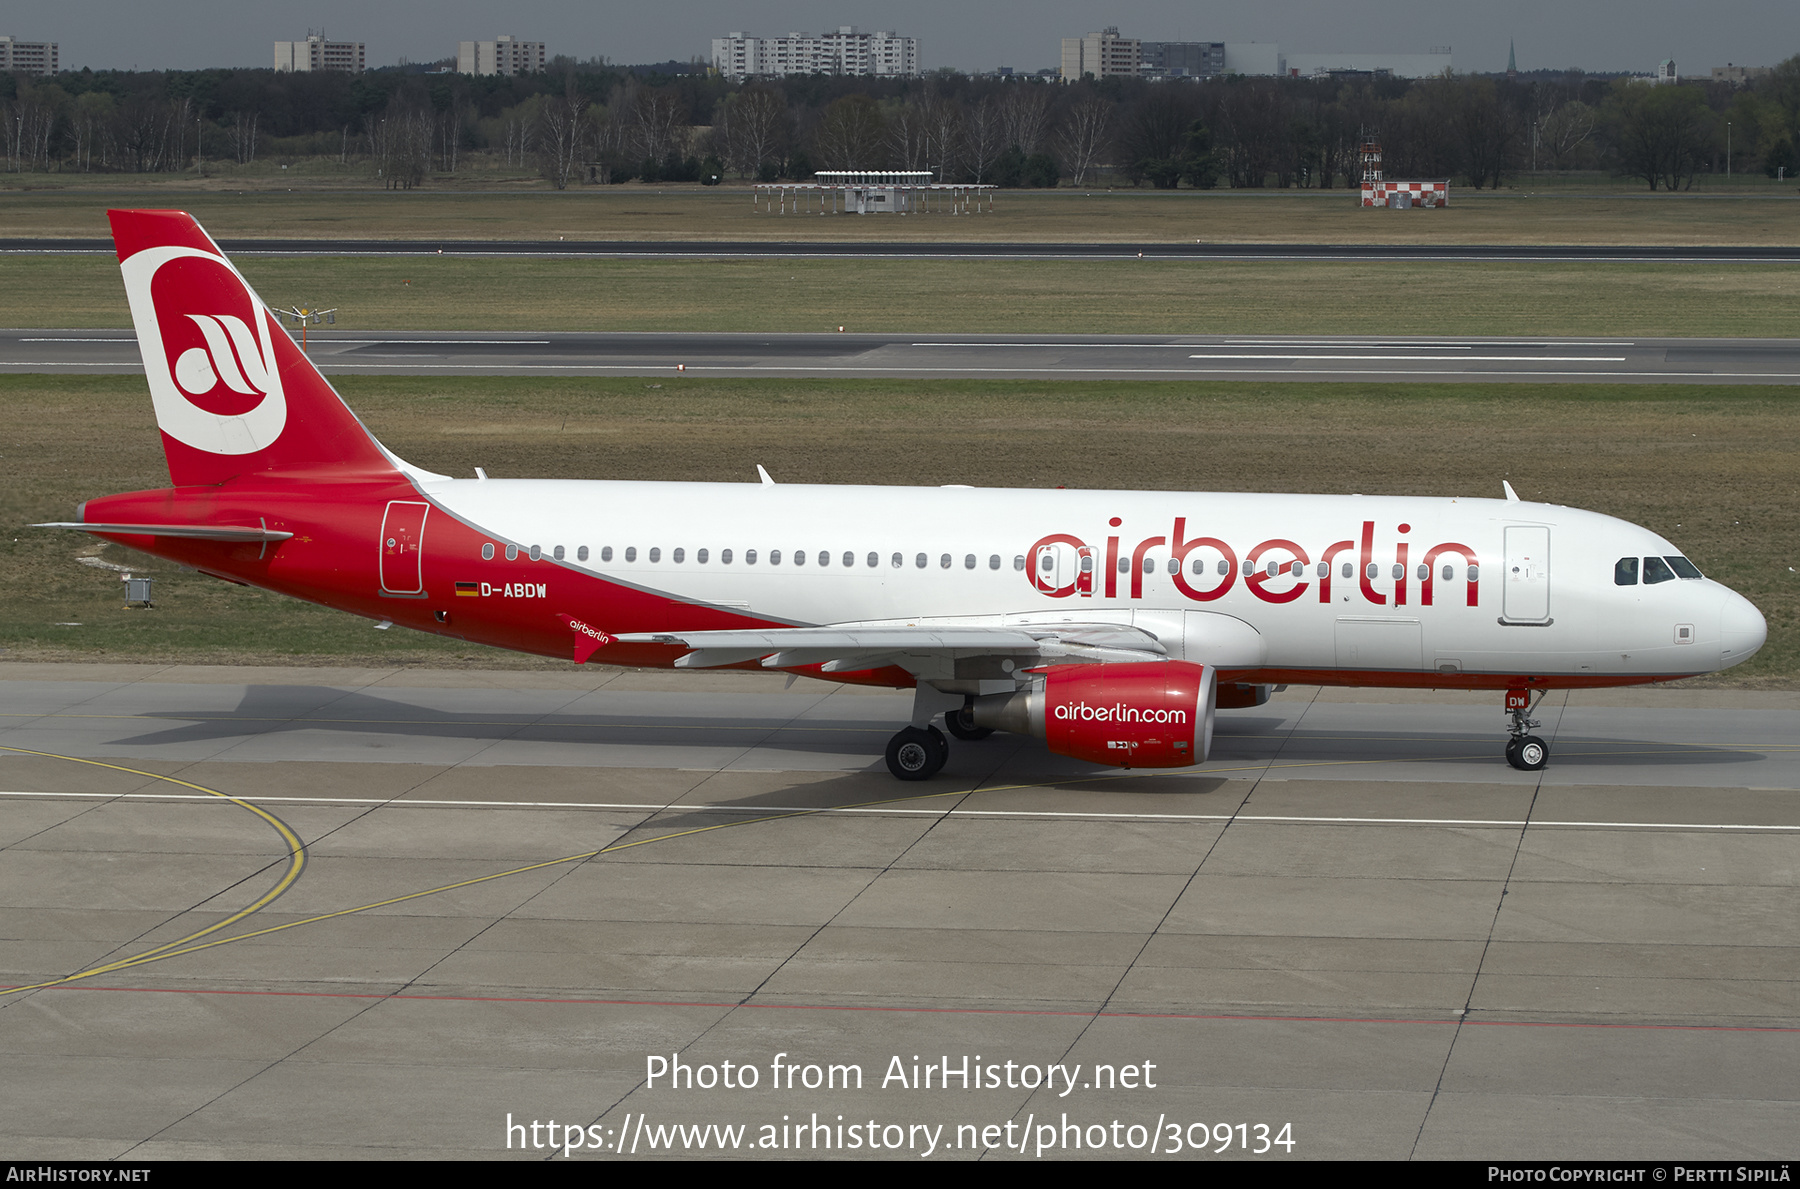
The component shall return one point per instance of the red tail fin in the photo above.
(233, 393)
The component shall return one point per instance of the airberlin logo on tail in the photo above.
(209, 353)
(230, 357)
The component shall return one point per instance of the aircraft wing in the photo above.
(927, 651)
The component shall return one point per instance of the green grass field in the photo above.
(1717, 470)
(944, 296)
(39, 205)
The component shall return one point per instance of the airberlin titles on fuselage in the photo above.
(1277, 570)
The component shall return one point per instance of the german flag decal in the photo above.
(468, 589)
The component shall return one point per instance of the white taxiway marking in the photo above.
(761, 810)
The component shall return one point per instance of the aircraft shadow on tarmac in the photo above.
(268, 710)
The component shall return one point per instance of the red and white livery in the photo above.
(1111, 624)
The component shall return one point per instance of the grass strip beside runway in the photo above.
(968, 296)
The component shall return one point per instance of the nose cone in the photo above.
(1742, 630)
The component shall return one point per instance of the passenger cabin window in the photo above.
(606, 553)
(724, 557)
(700, 555)
(1657, 570)
(557, 553)
(1625, 571)
(919, 561)
(537, 551)
(631, 553)
(656, 553)
(1683, 567)
(993, 561)
(1019, 562)
(512, 553)
(581, 554)
(678, 556)
(897, 560)
(487, 552)
(750, 557)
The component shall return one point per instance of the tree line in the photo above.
(593, 123)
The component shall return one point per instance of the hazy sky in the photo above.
(965, 34)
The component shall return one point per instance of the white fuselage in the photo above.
(1546, 596)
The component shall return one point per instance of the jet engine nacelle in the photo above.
(1153, 715)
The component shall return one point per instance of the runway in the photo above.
(451, 897)
(1070, 357)
(971, 250)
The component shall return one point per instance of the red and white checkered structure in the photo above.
(1423, 193)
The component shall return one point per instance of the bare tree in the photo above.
(850, 134)
(909, 144)
(1084, 134)
(1562, 132)
(984, 136)
(659, 124)
(1025, 115)
(242, 135)
(560, 136)
(751, 126)
(944, 137)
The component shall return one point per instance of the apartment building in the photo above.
(503, 55)
(315, 53)
(847, 51)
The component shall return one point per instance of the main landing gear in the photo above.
(917, 752)
(1525, 751)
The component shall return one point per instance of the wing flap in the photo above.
(917, 648)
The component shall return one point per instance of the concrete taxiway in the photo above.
(358, 913)
(1070, 357)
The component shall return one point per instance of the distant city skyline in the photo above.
(968, 35)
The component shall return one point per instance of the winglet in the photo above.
(764, 475)
(1511, 495)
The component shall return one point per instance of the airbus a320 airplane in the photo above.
(1111, 624)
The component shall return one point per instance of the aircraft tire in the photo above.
(961, 724)
(917, 753)
(1527, 753)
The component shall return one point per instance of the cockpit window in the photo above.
(1657, 570)
(1625, 572)
(1683, 567)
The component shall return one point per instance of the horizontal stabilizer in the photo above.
(198, 532)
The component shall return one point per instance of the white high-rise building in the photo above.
(27, 57)
(503, 55)
(848, 50)
(315, 53)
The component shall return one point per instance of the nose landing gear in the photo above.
(1525, 751)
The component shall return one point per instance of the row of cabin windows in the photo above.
(1296, 568)
(946, 561)
(1656, 569)
(773, 557)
